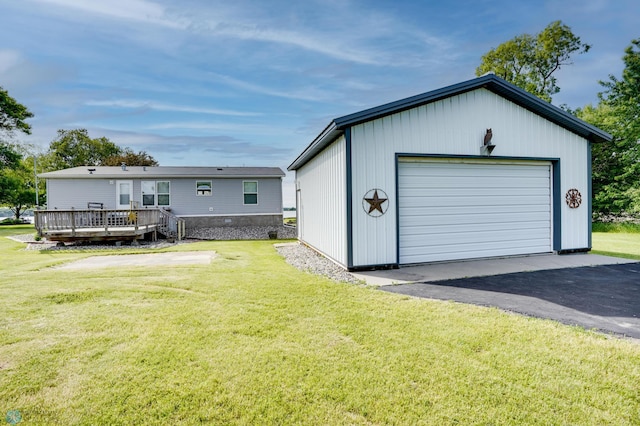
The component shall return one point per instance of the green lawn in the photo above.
(617, 239)
(250, 340)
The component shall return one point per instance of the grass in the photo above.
(250, 340)
(620, 227)
(617, 239)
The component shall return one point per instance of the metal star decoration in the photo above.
(375, 203)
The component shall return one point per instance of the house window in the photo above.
(163, 193)
(156, 193)
(250, 192)
(148, 193)
(203, 188)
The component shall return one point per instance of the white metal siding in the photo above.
(321, 195)
(456, 126)
(453, 210)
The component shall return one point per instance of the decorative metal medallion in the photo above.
(573, 198)
(375, 202)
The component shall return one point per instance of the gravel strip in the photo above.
(23, 238)
(226, 233)
(216, 233)
(306, 259)
(97, 246)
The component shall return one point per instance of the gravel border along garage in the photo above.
(306, 259)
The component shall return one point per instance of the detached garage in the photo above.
(479, 169)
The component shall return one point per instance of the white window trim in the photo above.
(163, 193)
(245, 193)
(210, 188)
(155, 193)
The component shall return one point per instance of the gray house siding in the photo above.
(227, 197)
(65, 194)
(225, 207)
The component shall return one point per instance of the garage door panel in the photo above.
(438, 211)
(472, 254)
(470, 202)
(449, 169)
(484, 190)
(453, 227)
(479, 238)
(476, 222)
(483, 249)
(461, 182)
(451, 211)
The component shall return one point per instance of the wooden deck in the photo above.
(105, 225)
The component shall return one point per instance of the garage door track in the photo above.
(606, 297)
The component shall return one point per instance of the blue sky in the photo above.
(252, 82)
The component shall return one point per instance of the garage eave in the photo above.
(324, 139)
(494, 84)
(490, 82)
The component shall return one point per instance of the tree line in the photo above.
(19, 163)
(528, 61)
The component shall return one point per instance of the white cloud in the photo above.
(226, 127)
(307, 94)
(159, 106)
(9, 59)
(134, 10)
(374, 38)
(318, 43)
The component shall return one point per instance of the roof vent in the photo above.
(144, 168)
(91, 171)
(124, 166)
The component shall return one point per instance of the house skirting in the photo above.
(192, 222)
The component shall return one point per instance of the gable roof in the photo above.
(490, 82)
(134, 172)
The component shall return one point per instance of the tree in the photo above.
(9, 157)
(18, 189)
(616, 166)
(130, 158)
(12, 119)
(73, 148)
(13, 114)
(530, 61)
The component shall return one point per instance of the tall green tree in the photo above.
(9, 157)
(130, 158)
(616, 166)
(74, 148)
(18, 188)
(529, 61)
(13, 116)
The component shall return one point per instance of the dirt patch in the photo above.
(148, 259)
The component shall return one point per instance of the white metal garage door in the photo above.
(452, 210)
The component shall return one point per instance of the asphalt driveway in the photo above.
(606, 297)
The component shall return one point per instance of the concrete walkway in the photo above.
(484, 267)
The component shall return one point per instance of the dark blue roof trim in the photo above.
(489, 82)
